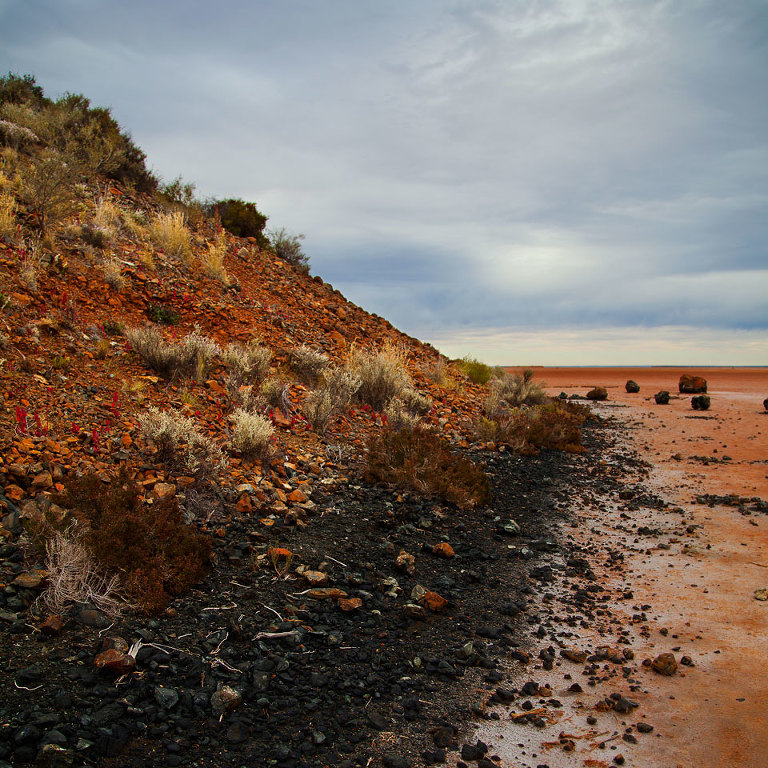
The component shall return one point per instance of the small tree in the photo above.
(288, 248)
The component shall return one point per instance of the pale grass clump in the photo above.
(74, 578)
(326, 402)
(113, 275)
(507, 391)
(107, 216)
(438, 372)
(398, 415)
(180, 443)
(167, 359)
(169, 231)
(247, 364)
(275, 393)
(192, 357)
(308, 364)
(213, 260)
(252, 433)
(383, 374)
(415, 403)
(7, 216)
(202, 350)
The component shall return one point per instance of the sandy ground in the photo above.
(695, 581)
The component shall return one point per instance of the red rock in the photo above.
(691, 385)
(406, 562)
(244, 504)
(326, 593)
(436, 603)
(13, 492)
(665, 664)
(350, 604)
(444, 549)
(597, 394)
(53, 625)
(298, 496)
(163, 490)
(226, 699)
(42, 481)
(116, 661)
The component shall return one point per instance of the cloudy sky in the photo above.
(530, 182)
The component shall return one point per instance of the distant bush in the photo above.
(155, 553)
(162, 315)
(252, 433)
(46, 188)
(421, 461)
(331, 398)
(526, 430)
(178, 191)
(382, 374)
(113, 275)
(247, 364)
(241, 219)
(308, 364)
(476, 371)
(511, 391)
(288, 248)
(180, 443)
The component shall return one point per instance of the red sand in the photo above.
(714, 715)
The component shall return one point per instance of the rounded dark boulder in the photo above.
(598, 394)
(632, 387)
(765, 403)
(662, 398)
(692, 385)
(700, 402)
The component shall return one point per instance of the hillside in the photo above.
(238, 513)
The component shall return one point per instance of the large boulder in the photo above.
(598, 393)
(662, 398)
(632, 387)
(700, 402)
(765, 403)
(691, 385)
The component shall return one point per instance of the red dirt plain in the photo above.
(701, 586)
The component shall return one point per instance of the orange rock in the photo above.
(315, 578)
(244, 504)
(326, 593)
(349, 604)
(14, 493)
(444, 549)
(52, 625)
(297, 497)
(215, 387)
(115, 660)
(163, 490)
(436, 603)
(126, 440)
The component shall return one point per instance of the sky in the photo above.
(528, 182)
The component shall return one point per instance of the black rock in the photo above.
(392, 760)
(662, 398)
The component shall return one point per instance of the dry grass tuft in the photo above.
(7, 217)
(383, 374)
(308, 364)
(75, 578)
(169, 231)
(252, 433)
(113, 275)
(213, 260)
(247, 364)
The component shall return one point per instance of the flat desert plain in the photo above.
(698, 576)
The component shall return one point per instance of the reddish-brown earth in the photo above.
(691, 566)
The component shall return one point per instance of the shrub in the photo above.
(318, 408)
(275, 393)
(308, 364)
(419, 460)
(326, 402)
(156, 553)
(438, 372)
(555, 426)
(382, 375)
(241, 219)
(168, 360)
(21, 89)
(252, 433)
(415, 403)
(162, 315)
(178, 191)
(169, 231)
(94, 236)
(247, 364)
(476, 371)
(398, 415)
(47, 189)
(113, 275)
(112, 327)
(288, 248)
(180, 444)
(510, 391)
(202, 351)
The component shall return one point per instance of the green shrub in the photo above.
(476, 371)
(156, 554)
(421, 461)
(162, 315)
(241, 219)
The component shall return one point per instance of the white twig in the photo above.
(222, 608)
(273, 611)
(328, 557)
(274, 635)
(24, 687)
